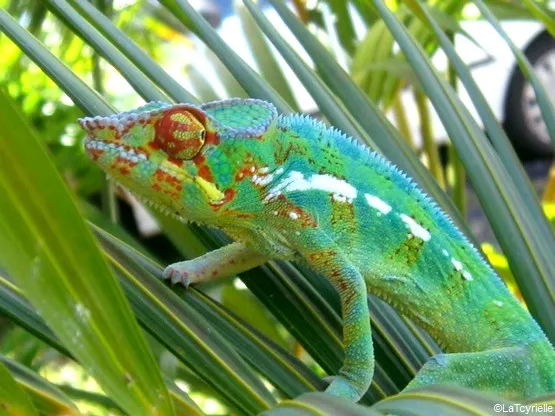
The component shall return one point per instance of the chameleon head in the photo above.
(156, 151)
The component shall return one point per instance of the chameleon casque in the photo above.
(289, 187)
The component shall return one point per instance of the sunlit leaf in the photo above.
(46, 398)
(13, 401)
(48, 249)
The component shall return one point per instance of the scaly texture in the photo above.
(288, 187)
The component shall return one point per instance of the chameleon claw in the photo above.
(175, 276)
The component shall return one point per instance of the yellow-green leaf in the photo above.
(49, 250)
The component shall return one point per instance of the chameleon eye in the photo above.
(180, 134)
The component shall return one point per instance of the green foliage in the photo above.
(72, 301)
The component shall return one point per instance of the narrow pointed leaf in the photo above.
(546, 105)
(320, 404)
(267, 63)
(542, 13)
(13, 401)
(133, 52)
(328, 104)
(104, 48)
(184, 405)
(81, 94)
(253, 84)
(496, 134)
(46, 398)
(47, 248)
(443, 400)
(16, 308)
(96, 399)
(184, 331)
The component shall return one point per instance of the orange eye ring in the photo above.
(180, 134)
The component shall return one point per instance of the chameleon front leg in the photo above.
(355, 376)
(224, 262)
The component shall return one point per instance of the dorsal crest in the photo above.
(241, 117)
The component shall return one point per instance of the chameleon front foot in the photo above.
(177, 273)
(227, 261)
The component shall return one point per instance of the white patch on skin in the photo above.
(498, 303)
(297, 232)
(275, 213)
(340, 189)
(122, 151)
(445, 252)
(467, 276)
(457, 264)
(262, 180)
(293, 215)
(377, 203)
(253, 169)
(415, 228)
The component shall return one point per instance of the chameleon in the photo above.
(289, 187)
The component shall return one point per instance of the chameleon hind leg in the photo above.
(355, 376)
(505, 371)
(224, 262)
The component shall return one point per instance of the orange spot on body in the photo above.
(238, 214)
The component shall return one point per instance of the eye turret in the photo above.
(180, 134)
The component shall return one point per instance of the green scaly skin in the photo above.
(287, 187)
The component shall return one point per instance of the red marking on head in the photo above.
(175, 161)
(94, 154)
(120, 160)
(167, 184)
(154, 145)
(202, 167)
(180, 132)
(212, 138)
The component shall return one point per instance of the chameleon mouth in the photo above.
(95, 147)
(125, 152)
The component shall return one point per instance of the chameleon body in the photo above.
(289, 187)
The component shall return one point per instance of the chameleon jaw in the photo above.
(210, 190)
(125, 152)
